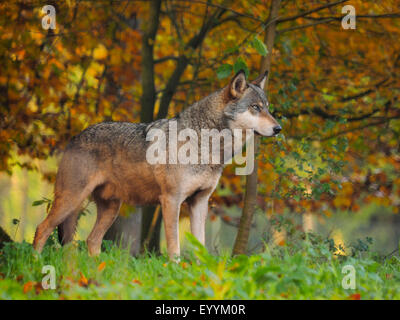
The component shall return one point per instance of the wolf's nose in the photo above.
(277, 129)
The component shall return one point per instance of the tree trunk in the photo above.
(126, 231)
(4, 237)
(151, 229)
(129, 231)
(147, 115)
(250, 198)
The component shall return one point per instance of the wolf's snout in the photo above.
(277, 129)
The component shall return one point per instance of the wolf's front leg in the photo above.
(170, 210)
(198, 214)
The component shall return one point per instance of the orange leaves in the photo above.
(136, 281)
(83, 281)
(354, 296)
(101, 266)
(30, 285)
(281, 243)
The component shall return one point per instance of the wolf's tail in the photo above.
(67, 229)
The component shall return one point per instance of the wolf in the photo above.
(107, 161)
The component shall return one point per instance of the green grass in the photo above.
(306, 267)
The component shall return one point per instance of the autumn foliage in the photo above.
(335, 91)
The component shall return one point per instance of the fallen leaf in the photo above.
(28, 286)
(83, 281)
(38, 287)
(355, 296)
(137, 282)
(101, 266)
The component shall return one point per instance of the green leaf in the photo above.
(38, 202)
(260, 46)
(240, 64)
(224, 71)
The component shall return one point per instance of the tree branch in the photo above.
(303, 26)
(148, 97)
(183, 61)
(361, 16)
(305, 13)
(167, 58)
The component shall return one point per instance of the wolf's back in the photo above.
(110, 134)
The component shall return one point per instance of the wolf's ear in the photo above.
(238, 84)
(260, 81)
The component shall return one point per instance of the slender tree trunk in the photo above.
(147, 113)
(150, 238)
(250, 198)
(4, 237)
(149, 28)
(126, 231)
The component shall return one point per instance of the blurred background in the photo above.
(335, 89)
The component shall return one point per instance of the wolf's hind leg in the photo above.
(63, 205)
(107, 212)
(67, 228)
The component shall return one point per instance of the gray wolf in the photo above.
(108, 162)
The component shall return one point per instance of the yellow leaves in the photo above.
(342, 202)
(95, 69)
(115, 57)
(218, 284)
(338, 238)
(100, 52)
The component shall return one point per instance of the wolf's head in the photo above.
(247, 106)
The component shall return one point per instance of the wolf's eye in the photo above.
(256, 107)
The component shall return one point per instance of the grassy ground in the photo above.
(307, 267)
